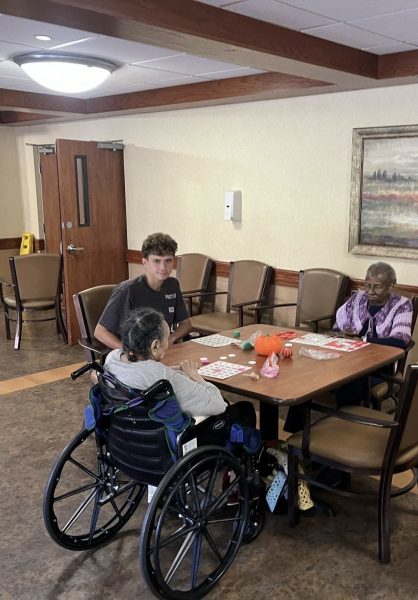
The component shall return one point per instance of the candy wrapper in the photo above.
(270, 368)
(246, 344)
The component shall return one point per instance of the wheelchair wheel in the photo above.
(87, 500)
(190, 535)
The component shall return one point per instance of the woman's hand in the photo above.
(348, 333)
(190, 368)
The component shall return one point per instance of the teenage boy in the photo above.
(155, 289)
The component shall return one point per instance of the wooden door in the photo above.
(50, 202)
(93, 219)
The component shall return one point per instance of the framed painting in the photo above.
(384, 192)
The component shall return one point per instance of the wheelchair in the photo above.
(190, 533)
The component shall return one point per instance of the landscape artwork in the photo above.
(384, 203)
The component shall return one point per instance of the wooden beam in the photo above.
(196, 28)
(236, 87)
(42, 103)
(399, 64)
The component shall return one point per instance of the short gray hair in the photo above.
(382, 268)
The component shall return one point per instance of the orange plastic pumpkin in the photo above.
(266, 344)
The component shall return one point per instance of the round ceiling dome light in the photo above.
(65, 73)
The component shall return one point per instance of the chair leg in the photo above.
(18, 334)
(292, 486)
(384, 517)
(60, 322)
(7, 321)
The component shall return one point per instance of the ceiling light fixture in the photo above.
(43, 38)
(65, 73)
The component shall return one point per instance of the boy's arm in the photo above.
(183, 329)
(107, 338)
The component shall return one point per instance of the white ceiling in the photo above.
(377, 26)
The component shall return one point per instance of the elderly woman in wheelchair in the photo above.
(142, 433)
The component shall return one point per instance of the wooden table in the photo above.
(300, 378)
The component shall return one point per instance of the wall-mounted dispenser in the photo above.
(233, 206)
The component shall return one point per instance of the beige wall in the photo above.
(291, 159)
(11, 217)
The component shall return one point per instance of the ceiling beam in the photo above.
(220, 89)
(196, 28)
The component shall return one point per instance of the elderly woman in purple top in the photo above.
(377, 314)
(374, 314)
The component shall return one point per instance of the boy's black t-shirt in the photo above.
(136, 293)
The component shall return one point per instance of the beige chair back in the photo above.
(89, 306)
(320, 293)
(37, 276)
(193, 271)
(248, 280)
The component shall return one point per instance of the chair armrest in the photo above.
(324, 318)
(248, 303)
(258, 309)
(198, 294)
(361, 420)
(5, 283)
(395, 378)
(265, 306)
(189, 292)
(94, 346)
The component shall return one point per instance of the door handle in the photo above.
(71, 248)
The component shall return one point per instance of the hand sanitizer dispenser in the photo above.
(233, 206)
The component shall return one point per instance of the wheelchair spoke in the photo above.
(76, 515)
(224, 495)
(197, 549)
(192, 487)
(212, 545)
(83, 468)
(177, 535)
(180, 556)
(76, 491)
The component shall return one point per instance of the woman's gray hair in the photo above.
(382, 268)
(141, 327)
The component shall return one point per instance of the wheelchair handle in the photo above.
(161, 385)
(92, 366)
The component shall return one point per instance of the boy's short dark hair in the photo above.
(159, 244)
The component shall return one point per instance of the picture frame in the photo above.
(384, 192)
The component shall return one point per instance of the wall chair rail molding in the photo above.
(384, 192)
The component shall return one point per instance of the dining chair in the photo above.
(193, 271)
(36, 286)
(388, 387)
(89, 306)
(248, 283)
(363, 442)
(320, 293)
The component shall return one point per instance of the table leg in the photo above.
(269, 421)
